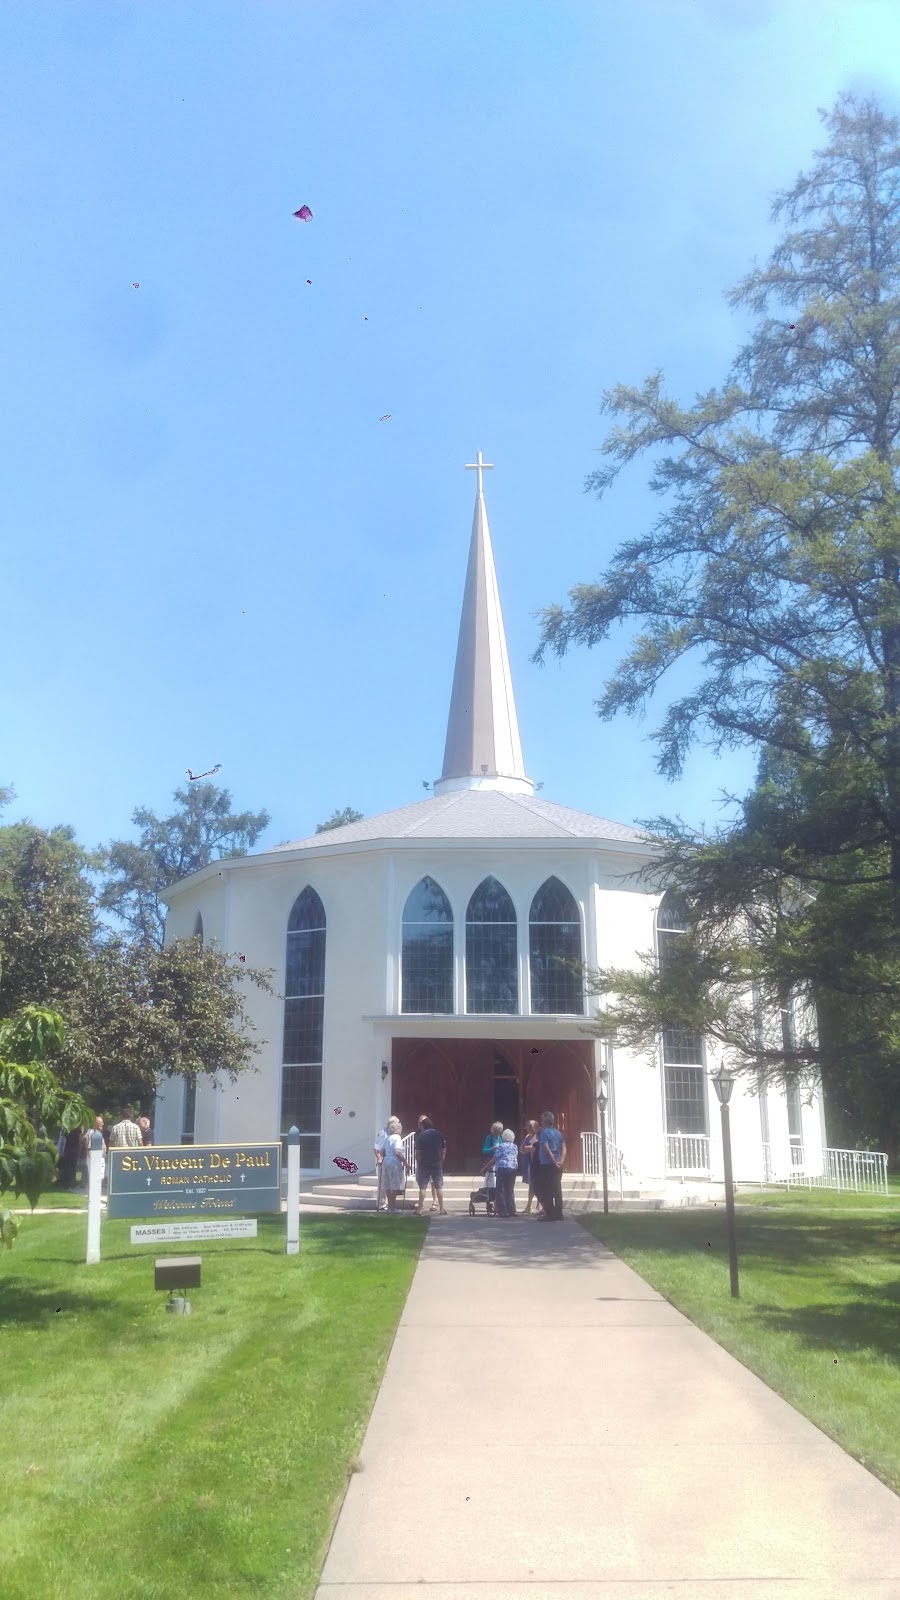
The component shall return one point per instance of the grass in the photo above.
(52, 1199)
(818, 1317)
(148, 1456)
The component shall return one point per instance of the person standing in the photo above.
(505, 1161)
(419, 1124)
(551, 1156)
(528, 1157)
(146, 1131)
(69, 1156)
(491, 1142)
(431, 1148)
(381, 1144)
(86, 1151)
(394, 1162)
(126, 1135)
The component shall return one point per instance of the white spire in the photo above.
(482, 749)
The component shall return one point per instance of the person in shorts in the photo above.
(431, 1148)
(434, 1198)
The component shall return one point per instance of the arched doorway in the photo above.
(466, 1084)
(560, 1078)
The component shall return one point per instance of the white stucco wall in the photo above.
(245, 907)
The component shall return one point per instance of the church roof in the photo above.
(476, 814)
(482, 728)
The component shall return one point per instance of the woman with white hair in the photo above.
(505, 1161)
(392, 1167)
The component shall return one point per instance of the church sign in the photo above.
(180, 1180)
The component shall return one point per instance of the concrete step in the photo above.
(581, 1192)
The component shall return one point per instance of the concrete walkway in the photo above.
(657, 1465)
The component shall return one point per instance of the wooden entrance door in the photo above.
(466, 1084)
(560, 1078)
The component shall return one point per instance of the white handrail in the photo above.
(592, 1164)
(687, 1152)
(862, 1171)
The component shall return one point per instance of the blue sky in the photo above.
(214, 551)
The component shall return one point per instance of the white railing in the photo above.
(862, 1171)
(687, 1152)
(592, 1161)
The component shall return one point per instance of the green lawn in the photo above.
(52, 1199)
(148, 1456)
(819, 1311)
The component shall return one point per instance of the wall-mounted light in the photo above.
(384, 1069)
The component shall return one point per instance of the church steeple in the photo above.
(482, 749)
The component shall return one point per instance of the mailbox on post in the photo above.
(177, 1273)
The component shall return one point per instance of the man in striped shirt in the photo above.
(126, 1135)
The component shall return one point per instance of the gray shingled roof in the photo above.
(476, 814)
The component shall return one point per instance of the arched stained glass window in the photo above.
(682, 1050)
(554, 933)
(426, 968)
(492, 970)
(198, 928)
(304, 1014)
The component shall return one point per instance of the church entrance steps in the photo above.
(580, 1194)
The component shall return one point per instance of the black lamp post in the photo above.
(724, 1083)
(602, 1102)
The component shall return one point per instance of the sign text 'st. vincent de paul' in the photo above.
(182, 1180)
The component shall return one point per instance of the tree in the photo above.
(47, 919)
(339, 819)
(33, 1104)
(202, 829)
(133, 1013)
(775, 566)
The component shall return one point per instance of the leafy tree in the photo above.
(774, 566)
(339, 819)
(203, 828)
(47, 919)
(133, 1013)
(33, 1104)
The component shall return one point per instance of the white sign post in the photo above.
(96, 1163)
(293, 1192)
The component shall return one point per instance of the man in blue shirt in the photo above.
(551, 1157)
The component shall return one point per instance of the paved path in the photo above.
(660, 1469)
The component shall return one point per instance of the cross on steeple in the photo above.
(479, 466)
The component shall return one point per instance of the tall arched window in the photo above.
(492, 966)
(198, 928)
(426, 969)
(554, 932)
(682, 1050)
(304, 1010)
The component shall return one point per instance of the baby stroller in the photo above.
(485, 1196)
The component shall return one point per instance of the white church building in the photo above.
(420, 960)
